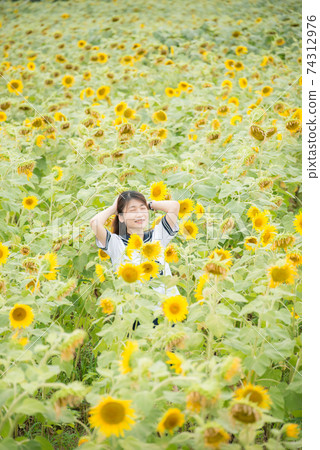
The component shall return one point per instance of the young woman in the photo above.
(131, 211)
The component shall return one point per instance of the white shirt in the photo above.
(115, 247)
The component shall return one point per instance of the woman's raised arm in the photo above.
(171, 207)
(97, 222)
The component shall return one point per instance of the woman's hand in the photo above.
(114, 206)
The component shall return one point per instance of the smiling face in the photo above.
(135, 216)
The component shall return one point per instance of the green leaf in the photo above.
(178, 178)
(217, 325)
(235, 296)
(205, 190)
(30, 406)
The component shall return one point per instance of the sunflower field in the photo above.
(198, 102)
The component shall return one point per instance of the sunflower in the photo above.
(159, 116)
(102, 58)
(222, 255)
(67, 80)
(294, 258)
(151, 250)
(291, 430)
(215, 124)
(37, 122)
(171, 419)
(216, 268)
(39, 140)
(175, 308)
(229, 63)
(284, 273)
(120, 108)
(3, 116)
(293, 125)
(283, 240)
(129, 272)
(30, 202)
(186, 207)
(244, 411)
(214, 436)
(169, 91)
(134, 243)
(87, 75)
(239, 65)
(243, 83)
(223, 110)
(112, 416)
(201, 282)
(234, 101)
(59, 117)
(170, 254)
(59, 170)
(4, 253)
(235, 119)
(149, 269)
(162, 133)
(31, 66)
(107, 305)
(298, 223)
(240, 50)
(227, 83)
(130, 347)
(297, 114)
(256, 394)
(280, 41)
(259, 221)
(129, 113)
(100, 272)
(268, 234)
(183, 86)
(82, 43)
(189, 229)
(21, 316)
(233, 368)
(175, 362)
(102, 91)
(15, 86)
(199, 210)
(127, 60)
(53, 261)
(266, 91)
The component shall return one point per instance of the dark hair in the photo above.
(123, 200)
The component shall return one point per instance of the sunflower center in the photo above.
(280, 274)
(258, 222)
(29, 201)
(112, 413)
(15, 85)
(19, 314)
(189, 229)
(215, 437)
(171, 421)
(130, 275)
(174, 308)
(161, 115)
(255, 397)
(1, 253)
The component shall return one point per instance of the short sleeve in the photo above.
(164, 233)
(110, 245)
